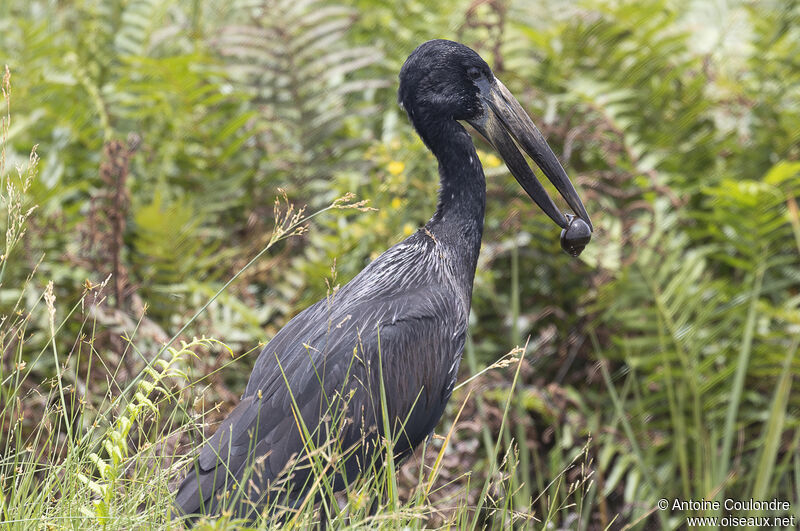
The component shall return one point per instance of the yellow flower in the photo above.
(396, 167)
(396, 203)
(493, 160)
(408, 229)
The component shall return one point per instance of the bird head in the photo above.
(445, 80)
(439, 80)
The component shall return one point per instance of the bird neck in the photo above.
(458, 221)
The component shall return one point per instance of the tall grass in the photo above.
(112, 468)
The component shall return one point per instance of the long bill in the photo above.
(505, 118)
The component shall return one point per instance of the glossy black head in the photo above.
(438, 80)
(446, 81)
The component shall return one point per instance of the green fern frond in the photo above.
(295, 61)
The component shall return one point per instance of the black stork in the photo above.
(399, 326)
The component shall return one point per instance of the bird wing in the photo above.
(333, 352)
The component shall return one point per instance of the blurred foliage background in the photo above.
(165, 129)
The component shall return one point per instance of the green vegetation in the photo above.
(658, 365)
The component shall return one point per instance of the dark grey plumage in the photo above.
(417, 315)
(405, 315)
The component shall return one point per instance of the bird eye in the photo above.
(474, 73)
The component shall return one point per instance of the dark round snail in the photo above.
(575, 237)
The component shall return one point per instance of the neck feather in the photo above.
(458, 221)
